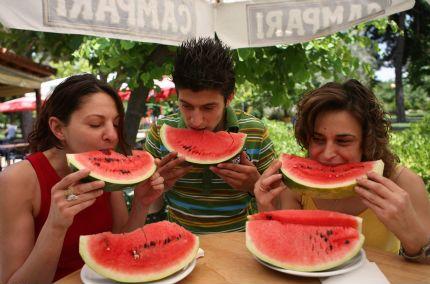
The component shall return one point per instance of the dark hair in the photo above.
(66, 98)
(204, 64)
(351, 96)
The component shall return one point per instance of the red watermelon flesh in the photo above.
(115, 169)
(149, 253)
(202, 147)
(310, 217)
(323, 181)
(302, 247)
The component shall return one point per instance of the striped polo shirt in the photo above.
(201, 201)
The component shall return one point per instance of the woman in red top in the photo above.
(39, 225)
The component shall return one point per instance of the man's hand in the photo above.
(239, 176)
(172, 168)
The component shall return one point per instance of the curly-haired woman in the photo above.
(343, 123)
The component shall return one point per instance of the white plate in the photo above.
(89, 276)
(348, 266)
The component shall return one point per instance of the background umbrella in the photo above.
(28, 103)
(167, 89)
(20, 104)
(239, 23)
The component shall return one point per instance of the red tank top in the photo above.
(95, 219)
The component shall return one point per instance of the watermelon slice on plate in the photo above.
(296, 243)
(116, 170)
(150, 253)
(322, 181)
(202, 147)
(89, 276)
(310, 217)
(352, 264)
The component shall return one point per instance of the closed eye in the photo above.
(187, 107)
(344, 142)
(318, 140)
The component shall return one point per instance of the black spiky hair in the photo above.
(204, 64)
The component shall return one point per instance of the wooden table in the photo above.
(227, 260)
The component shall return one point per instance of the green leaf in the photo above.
(127, 44)
(244, 53)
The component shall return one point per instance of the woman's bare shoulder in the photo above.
(409, 180)
(18, 179)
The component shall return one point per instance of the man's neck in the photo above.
(222, 124)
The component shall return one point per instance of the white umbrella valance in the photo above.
(238, 23)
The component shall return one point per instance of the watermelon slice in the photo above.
(304, 246)
(310, 217)
(202, 147)
(116, 170)
(321, 181)
(150, 253)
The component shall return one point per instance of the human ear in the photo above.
(56, 127)
(229, 99)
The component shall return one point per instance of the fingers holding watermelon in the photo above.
(391, 204)
(241, 176)
(268, 188)
(378, 190)
(150, 190)
(171, 168)
(63, 209)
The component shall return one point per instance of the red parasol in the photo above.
(167, 89)
(20, 104)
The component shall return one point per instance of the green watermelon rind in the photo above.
(328, 265)
(326, 191)
(110, 184)
(170, 148)
(136, 278)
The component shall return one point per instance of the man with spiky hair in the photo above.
(218, 198)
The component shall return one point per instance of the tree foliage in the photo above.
(279, 75)
(406, 46)
(270, 76)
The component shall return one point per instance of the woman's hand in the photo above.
(149, 190)
(393, 206)
(268, 188)
(171, 168)
(64, 209)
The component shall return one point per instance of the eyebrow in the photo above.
(337, 135)
(205, 105)
(100, 116)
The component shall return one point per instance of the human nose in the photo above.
(329, 151)
(110, 134)
(196, 119)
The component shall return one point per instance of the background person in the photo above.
(217, 199)
(10, 133)
(43, 206)
(343, 123)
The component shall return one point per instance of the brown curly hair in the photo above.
(351, 96)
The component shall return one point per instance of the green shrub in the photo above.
(413, 148)
(411, 145)
(282, 135)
